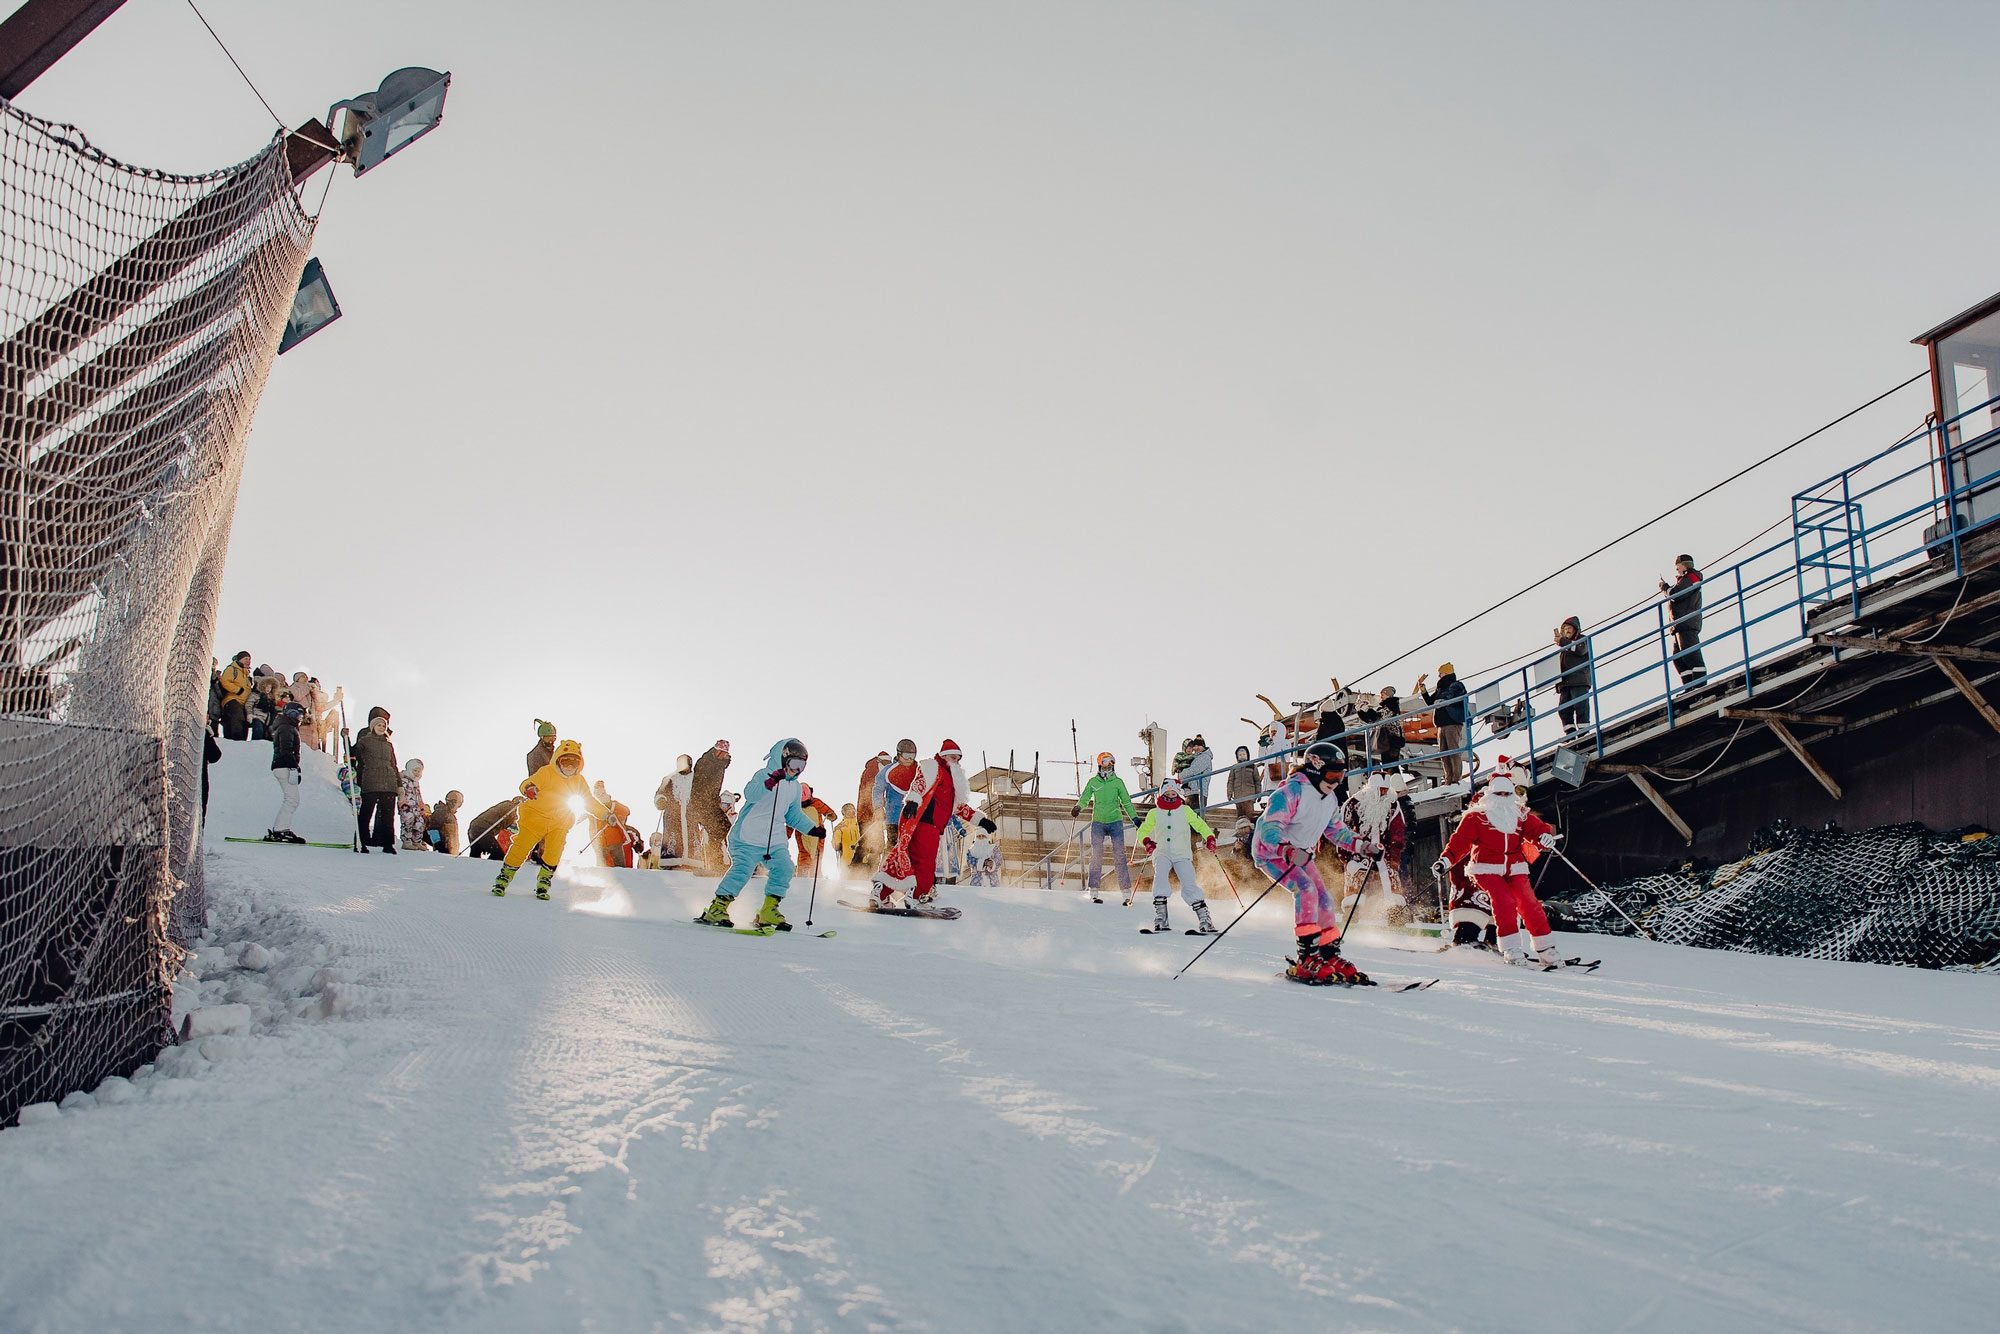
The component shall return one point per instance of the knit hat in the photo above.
(1445, 669)
(722, 746)
(544, 728)
(378, 712)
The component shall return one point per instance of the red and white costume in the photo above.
(936, 790)
(1495, 835)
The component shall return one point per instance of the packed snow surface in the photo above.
(421, 1107)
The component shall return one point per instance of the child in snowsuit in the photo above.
(1305, 810)
(1167, 833)
(410, 807)
(546, 815)
(1110, 806)
(1494, 834)
(759, 836)
(847, 837)
(285, 769)
(982, 855)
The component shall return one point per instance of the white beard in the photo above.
(1376, 809)
(1503, 813)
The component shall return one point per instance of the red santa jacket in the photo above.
(1492, 852)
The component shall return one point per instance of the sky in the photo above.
(857, 371)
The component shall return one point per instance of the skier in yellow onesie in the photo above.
(546, 814)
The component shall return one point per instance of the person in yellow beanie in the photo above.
(1448, 712)
(551, 800)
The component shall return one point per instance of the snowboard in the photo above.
(1149, 931)
(936, 914)
(348, 846)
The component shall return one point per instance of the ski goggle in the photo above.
(794, 766)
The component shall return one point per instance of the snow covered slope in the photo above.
(243, 797)
(455, 1112)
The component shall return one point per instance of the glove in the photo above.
(1548, 841)
(1148, 844)
(1076, 810)
(530, 792)
(1441, 868)
(1297, 856)
(817, 831)
(1209, 843)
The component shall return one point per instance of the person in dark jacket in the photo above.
(210, 753)
(1684, 604)
(1243, 789)
(1573, 657)
(1448, 712)
(706, 799)
(441, 825)
(380, 779)
(487, 827)
(285, 769)
(1385, 741)
(544, 753)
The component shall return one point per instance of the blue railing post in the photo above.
(1666, 661)
(1847, 509)
(1799, 564)
(1743, 630)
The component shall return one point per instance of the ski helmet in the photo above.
(794, 756)
(1323, 763)
(1170, 796)
(906, 747)
(294, 710)
(1106, 760)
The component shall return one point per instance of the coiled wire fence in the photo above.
(1896, 894)
(139, 315)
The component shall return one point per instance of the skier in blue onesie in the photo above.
(760, 838)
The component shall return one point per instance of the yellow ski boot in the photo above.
(769, 916)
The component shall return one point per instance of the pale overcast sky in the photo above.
(861, 370)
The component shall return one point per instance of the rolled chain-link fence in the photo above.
(139, 314)
(1897, 894)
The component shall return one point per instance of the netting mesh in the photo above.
(139, 314)
(1898, 894)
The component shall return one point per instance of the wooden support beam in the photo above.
(1804, 756)
(1658, 770)
(1970, 691)
(1897, 646)
(40, 33)
(1937, 618)
(1660, 804)
(1785, 716)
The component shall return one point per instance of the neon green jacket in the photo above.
(1107, 799)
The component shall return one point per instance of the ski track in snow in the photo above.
(460, 1113)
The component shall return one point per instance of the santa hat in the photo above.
(1502, 779)
(722, 746)
(950, 750)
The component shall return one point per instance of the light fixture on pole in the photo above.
(407, 106)
(313, 308)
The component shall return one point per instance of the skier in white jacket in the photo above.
(1167, 833)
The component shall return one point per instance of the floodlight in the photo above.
(1570, 766)
(313, 308)
(407, 106)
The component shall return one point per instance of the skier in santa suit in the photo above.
(1168, 832)
(1469, 911)
(1304, 810)
(1494, 834)
(933, 796)
(1376, 817)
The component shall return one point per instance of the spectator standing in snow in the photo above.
(543, 753)
(1194, 780)
(410, 807)
(1448, 712)
(380, 780)
(1573, 659)
(492, 828)
(1109, 803)
(235, 682)
(285, 769)
(266, 690)
(1684, 603)
(441, 826)
(706, 794)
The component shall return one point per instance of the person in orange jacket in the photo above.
(551, 801)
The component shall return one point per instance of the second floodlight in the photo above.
(407, 106)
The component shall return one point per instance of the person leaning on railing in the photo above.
(1684, 601)
(1448, 712)
(1573, 686)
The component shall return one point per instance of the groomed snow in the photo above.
(447, 1111)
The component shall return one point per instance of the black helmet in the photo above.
(795, 749)
(1321, 759)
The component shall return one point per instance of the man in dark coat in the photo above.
(379, 777)
(544, 753)
(1573, 688)
(487, 826)
(706, 799)
(1684, 605)
(1448, 712)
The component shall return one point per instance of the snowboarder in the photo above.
(546, 814)
(982, 854)
(771, 798)
(285, 769)
(379, 779)
(1494, 834)
(410, 807)
(892, 787)
(672, 798)
(705, 796)
(932, 797)
(1167, 832)
(544, 751)
(1110, 806)
(1375, 816)
(1304, 811)
(822, 815)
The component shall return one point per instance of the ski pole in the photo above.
(814, 896)
(1607, 898)
(1275, 882)
(1225, 875)
(495, 825)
